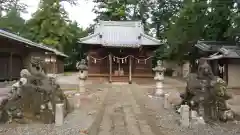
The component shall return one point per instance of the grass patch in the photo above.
(67, 73)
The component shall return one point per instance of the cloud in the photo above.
(82, 13)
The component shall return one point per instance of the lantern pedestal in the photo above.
(159, 88)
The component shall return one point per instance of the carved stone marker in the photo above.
(159, 77)
(166, 104)
(59, 114)
(184, 112)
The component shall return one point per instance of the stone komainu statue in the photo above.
(206, 94)
(33, 97)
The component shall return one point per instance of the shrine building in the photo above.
(120, 51)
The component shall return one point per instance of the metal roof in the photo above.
(29, 42)
(120, 34)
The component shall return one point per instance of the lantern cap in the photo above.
(81, 65)
(159, 67)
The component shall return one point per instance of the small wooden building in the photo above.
(120, 51)
(224, 58)
(16, 52)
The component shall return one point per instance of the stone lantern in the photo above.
(159, 77)
(83, 74)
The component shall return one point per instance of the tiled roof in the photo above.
(229, 50)
(120, 34)
(29, 42)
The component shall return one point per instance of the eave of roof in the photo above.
(153, 40)
(227, 50)
(29, 42)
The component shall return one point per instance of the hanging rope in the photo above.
(121, 59)
(97, 59)
(145, 60)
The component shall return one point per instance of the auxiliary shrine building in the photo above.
(120, 51)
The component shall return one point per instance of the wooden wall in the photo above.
(11, 59)
(60, 65)
(102, 67)
(15, 56)
(98, 67)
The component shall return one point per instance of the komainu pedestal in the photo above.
(33, 97)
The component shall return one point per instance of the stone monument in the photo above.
(33, 97)
(184, 112)
(159, 77)
(206, 94)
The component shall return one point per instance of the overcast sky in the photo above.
(82, 13)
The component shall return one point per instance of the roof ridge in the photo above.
(120, 23)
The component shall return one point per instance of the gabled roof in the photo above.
(29, 42)
(227, 49)
(120, 34)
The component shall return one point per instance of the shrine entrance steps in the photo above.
(120, 79)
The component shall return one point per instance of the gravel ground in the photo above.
(122, 116)
(77, 122)
(167, 121)
(121, 110)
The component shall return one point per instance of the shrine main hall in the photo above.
(120, 51)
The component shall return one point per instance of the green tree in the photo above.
(187, 28)
(49, 25)
(8, 22)
(110, 10)
(200, 19)
(218, 20)
(116, 10)
(7, 5)
(74, 50)
(234, 28)
(161, 14)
